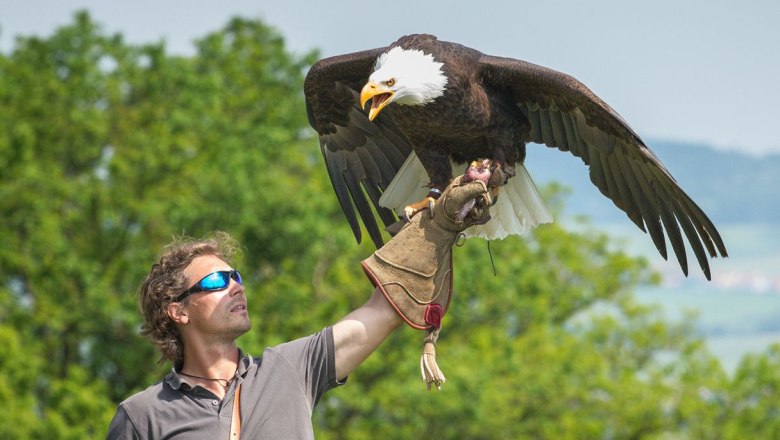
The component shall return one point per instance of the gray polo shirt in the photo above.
(278, 393)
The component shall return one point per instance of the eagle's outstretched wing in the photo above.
(362, 156)
(567, 115)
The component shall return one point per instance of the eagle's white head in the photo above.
(403, 76)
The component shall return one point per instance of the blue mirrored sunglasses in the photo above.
(213, 282)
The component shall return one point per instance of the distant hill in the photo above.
(730, 187)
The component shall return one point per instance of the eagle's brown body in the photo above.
(490, 108)
(464, 124)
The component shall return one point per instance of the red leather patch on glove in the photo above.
(433, 315)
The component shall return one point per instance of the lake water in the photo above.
(733, 322)
(739, 310)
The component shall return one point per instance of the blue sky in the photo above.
(698, 71)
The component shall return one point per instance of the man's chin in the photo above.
(239, 328)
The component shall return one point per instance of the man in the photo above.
(194, 308)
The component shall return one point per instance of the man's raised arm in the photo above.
(359, 333)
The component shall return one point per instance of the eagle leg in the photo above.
(437, 164)
(427, 203)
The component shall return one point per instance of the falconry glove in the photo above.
(414, 269)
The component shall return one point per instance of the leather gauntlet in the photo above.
(414, 269)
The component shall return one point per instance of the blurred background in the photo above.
(126, 124)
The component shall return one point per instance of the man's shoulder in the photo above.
(301, 356)
(147, 398)
(322, 337)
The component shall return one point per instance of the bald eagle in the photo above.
(436, 103)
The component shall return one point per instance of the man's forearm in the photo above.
(359, 333)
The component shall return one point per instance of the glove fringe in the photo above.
(431, 373)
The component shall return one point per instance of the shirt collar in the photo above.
(244, 363)
(175, 380)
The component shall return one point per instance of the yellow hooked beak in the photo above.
(380, 96)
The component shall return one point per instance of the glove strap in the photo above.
(431, 373)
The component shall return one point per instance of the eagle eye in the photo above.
(390, 82)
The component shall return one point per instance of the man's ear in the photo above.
(178, 313)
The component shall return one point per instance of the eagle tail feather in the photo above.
(518, 209)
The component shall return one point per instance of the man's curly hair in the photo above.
(166, 280)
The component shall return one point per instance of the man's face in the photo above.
(219, 314)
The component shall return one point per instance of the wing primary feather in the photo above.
(622, 175)
(359, 176)
(706, 230)
(597, 174)
(652, 221)
(372, 186)
(671, 208)
(339, 183)
(612, 191)
(386, 215)
(371, 171)
(386, 170)
(394, 155)
(395, 145)
(615, 181)
(678, 244)
(704, 226)
(638, 197)
(364, 209)
(693, 238)
(673, 229)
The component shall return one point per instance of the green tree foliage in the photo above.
(109, 150)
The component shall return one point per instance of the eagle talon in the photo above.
(412, 209)
(499, 175)
(493, 195)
